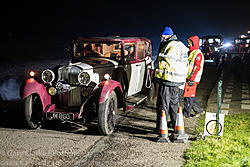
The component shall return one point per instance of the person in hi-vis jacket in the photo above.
(195, 69)
(170, 72)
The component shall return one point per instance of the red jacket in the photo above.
(199, 59)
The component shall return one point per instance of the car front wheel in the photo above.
(107, 114)
(32, 111)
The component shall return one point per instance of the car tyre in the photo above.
(32, 111)
(107, 115)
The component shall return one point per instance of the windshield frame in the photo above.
(102, 49)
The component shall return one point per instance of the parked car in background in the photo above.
(211, 47)
(104, 73)
(238, 52)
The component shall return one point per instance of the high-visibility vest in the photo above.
(191, 58)
(172, 62)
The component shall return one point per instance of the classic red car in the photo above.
(103, 73)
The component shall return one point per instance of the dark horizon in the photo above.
(49, 27)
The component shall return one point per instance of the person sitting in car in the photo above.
(130, 53)
(87, 50)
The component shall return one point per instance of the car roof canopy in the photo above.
(111, 39)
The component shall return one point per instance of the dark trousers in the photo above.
(189, 104)
(167, 100)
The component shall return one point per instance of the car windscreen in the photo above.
(106, 50)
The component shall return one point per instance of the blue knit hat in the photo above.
(167, 31)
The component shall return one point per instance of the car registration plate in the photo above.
(62, 116)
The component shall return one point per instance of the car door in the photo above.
(140, 65)
(135, 68)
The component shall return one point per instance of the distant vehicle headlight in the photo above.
(48, 76)
(84, 78)
(226, 45)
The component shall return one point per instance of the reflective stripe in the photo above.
(171, 57)
(179, 127)
(170, 76)
(170, 73)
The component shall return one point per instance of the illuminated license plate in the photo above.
(62, 116)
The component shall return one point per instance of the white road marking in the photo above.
(229, 90)
(245, 101)
(224, 112)
(225, 105)
(230, 87)
(245, 107)
(245, 96)
(228, 95)
(245, 91)
(226, 100)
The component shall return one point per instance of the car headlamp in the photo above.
(52, 91)
(48, 76)
(84, 78)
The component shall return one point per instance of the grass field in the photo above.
(232, 149)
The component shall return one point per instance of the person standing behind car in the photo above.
(195, 69)
(170, 72)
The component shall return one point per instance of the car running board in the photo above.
(134, 100)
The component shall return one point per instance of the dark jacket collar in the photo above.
(172, 38)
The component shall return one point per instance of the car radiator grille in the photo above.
(72, 97)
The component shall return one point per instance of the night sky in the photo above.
(42, 29)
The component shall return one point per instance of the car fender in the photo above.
(120, 75)
(31, 86)
(106, 88)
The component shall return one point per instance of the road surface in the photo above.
(67, 144)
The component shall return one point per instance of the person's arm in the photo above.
(197, 67)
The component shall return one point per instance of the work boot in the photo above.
(186, 115)
(199, 113)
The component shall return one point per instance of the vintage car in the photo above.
(211, 47)
(103, 74)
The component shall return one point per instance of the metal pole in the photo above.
(219, 106)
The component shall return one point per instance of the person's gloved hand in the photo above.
(190, 83)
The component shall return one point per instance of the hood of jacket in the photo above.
(195, 40)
